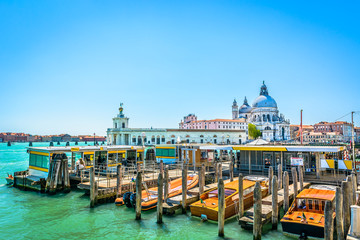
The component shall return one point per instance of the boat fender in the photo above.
(133, 200)
(126, 199)
(119, 201)
(203, 217)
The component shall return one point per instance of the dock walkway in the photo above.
(266, 210)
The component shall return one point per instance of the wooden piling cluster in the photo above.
(58, 176)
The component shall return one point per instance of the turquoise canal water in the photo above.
(31, 215)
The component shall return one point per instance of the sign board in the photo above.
(297, 161)
(210, 156)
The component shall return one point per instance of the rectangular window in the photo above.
(310, 204)
(323, 205)
(317, 207)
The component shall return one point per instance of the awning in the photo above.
(216, 148)
(261, 148)
(314, 149)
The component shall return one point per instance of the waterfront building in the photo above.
(122, 134)
(191, 122)
(264, 114)
(343, 128)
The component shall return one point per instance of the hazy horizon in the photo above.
(66, 65)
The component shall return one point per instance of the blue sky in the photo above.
(66, 65)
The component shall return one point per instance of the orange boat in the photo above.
(149, 196)
(207, 206)
(305, 217)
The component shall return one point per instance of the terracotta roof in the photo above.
(202, 130)
(218, 120)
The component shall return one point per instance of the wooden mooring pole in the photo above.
(354, 182)
(329, 223)
(271, 173)
(241, 196)
(275, 210)
(286, 191)
(346, 196)
(118, 181)
(138, 195)
(92, 187)
(160, 199)
(221, 207)
(220, 171)
(339, 213)
(257, 212)
(201, 179)
(166, 183)
(162, 167)
(66, 176)
(280, 176)
(216, 172)
(352, 190)
(231, 171)
(295, 181)
(301, 177)
(184, 187)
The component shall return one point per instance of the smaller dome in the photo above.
(245, 108)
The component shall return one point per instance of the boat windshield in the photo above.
(310, 205)
(228, 192)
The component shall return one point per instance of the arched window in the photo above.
(153, 139)
(134, 139)
(123, 125)
(163, 139)
(158, 140)
(267, 128)
(264, 119)
(139, 140)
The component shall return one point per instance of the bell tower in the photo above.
(121, 121)
(235, 110)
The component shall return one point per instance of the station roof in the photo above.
(284, 148)
(81, 148)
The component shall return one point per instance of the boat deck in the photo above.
(174, 203)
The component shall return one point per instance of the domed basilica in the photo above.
(264, 114)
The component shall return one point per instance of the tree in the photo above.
(253, 132)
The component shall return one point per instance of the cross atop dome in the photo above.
(263, 90)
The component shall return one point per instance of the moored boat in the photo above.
(9, 179)
(207, 206)
(306, 217)
(149, 196)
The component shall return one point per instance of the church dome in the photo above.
(245, 108)
(264, 100)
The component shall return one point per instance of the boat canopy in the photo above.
(320, 194)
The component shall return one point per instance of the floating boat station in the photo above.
(315, 187)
